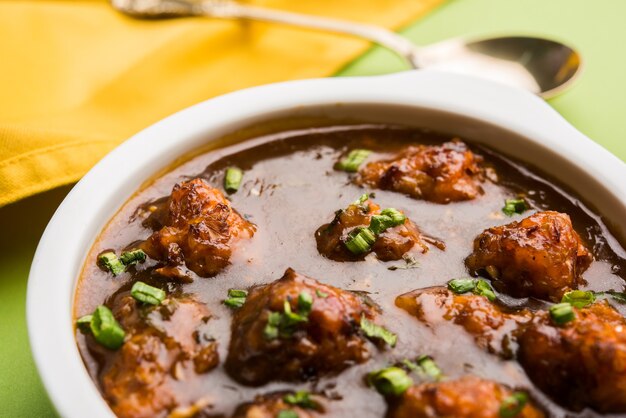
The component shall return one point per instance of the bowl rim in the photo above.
(104, 189)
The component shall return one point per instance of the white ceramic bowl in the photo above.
(511, 121)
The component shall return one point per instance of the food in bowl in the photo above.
(349, 270)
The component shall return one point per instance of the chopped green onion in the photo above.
(232, 179)
(371, 330)
(513, 405)
(84, 323)
(362, 199)
(301, 398)
(579, 298)
(483, 288)
(321, 294)
(132, 257)
(305, 302)
(287, 413)
(105, 329)
(360, 240)
(620, 297)
(110, 262)
(236, 298)
(271, 328)
(390, 381)
(291, 318)
(411, 365)
(147, 294)
(388, 218)
(514, 206)
(353, 160)
(429, 367)
(461, 286)
(562, 313)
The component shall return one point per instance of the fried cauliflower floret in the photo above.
(163, 345)
(466, 397)
(444, 173)
(200, 230)
(540, 256)
(392, 244)
(489, 324)
(581, 363)
(267, 343)
(269, 406)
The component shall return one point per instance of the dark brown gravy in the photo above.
(289, 190)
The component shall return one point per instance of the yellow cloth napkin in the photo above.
(77, 78)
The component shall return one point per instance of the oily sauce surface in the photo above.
(290, 188)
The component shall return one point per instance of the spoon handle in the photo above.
(232, 10)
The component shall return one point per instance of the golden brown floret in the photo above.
(269, 406)
(466, 397)
(490, 325)
(444, 173)
(540, 256)
(392, 244)
(581, 363)
(328, 341)
(164, 344)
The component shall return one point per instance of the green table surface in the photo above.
(595, 105)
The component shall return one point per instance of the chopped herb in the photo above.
(147, 294)
(390, 381)
(429, 367)
(105, 329)
(461, 286)
(232, 179)
(411, 365)
(562, 313)
(236, 298)
(409, 263)
(514, 206)
(362, 199)
(483, 288)
(301, 398)
(513, 405)
(84, 323)
(284, 323)
(619, 297)
(579, 298)
(110, 262)
(388, 218)
(132, 257)
(287, 413)
(360, 240)
(353, 160)
(371, 330)
(321, 294)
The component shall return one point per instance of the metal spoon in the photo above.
(542, 66)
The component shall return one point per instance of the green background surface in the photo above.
(595, 105)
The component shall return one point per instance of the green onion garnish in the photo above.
(371, 330)
(84, 323)
(619, 297)
(579, 298)
(287, 413)
(147, 294)
(483, 288)
(353, 160)
(301, 398)
(321, 294)
(105, 329)
(232, 179)
(110, 262)
(132, 257)
(513, 405)
(388, 218)
(360, 240)
(429, 367)
(461, 286)
(290, 318)
(305, 302)
(284, 323)
(236, 298)
(562, 313)
(270, 331)
(362, 199)
(514, 206)
(390, 381)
